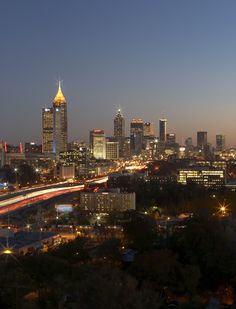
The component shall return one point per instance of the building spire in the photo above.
(59, 98)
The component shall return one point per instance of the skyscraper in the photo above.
(60, 135)
(136, 136)
(170, 138)
(162, 130)
(47, 124)
(98, 144)
(189, 143)
(201, 139)
(119, 131)
(148, 129)
(220, 142)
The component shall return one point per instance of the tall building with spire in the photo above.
(60, 135)
(119, 130)
(54, 122)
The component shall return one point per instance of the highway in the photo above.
(27, 199)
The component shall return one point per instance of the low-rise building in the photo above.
(106, 202)
(206, 177)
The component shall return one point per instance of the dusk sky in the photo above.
(160, 58)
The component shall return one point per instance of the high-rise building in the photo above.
(162, 130)
(136, 136)
(119, 131)
(148, 134)
(148, 129)
(98, 144)
(112, 149)
(201, 139)
(220, 142)
(189, 143)
(2, 154)
(60, 134)
(47, 123)
(171, 138)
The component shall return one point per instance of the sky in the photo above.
(154, 58)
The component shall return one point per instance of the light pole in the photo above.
(16, 173)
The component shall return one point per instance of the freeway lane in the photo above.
(17, 202)
(35, 199)
(23, 197)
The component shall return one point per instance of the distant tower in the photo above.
(60, 135)
(201, 139)
(220, 142)
(162, 130)
(47, 124)
(136, 136)
(119, 131)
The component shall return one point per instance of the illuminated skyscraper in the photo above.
(136, 136)
(148, 129)
(47, 124)
(220, 142)
(60, 135)
(98, 144)
(119, 131)
(162, 130)
(201, 139)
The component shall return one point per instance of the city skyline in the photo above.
(156, 60)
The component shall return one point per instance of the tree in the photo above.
(141, 232)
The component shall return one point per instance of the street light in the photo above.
(17, 183)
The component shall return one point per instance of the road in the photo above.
(27, 199)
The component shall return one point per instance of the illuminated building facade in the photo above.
(162, 130)
(148, 129)
(54, 123)
(202, 176)
(98, 144)
(106, 202)
(47, 119)
(112, 149)
(119, 131)
(60, 134)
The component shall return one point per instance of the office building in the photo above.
(107, 202)
(119, 131)
(136, 136)
(220, 142)
(47, 119)
(148, 129)
(112, 149)
(171, 138)
(189, 143)
(162, 130)
(201, 139)
(98, 144)
(203, 176)
(60, 134)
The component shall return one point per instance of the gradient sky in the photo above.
(171, 58)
